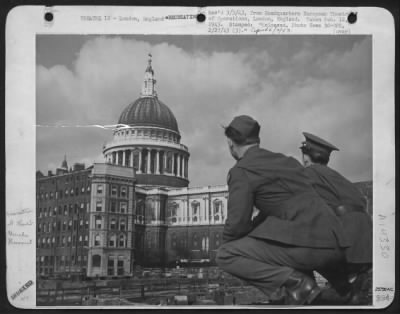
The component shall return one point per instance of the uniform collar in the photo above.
(248, 151)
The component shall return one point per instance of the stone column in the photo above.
(131, 159)
(178, 163)
(212, 213)
(148, 160)
(140, 161)
(173, 163)
(183, 166)
(123, 157)
(165, 162)
(206, 218)
(158, 162)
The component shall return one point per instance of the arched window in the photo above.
(195, 211)
(217, 210)
(121, 242)
(122, 225)
(112, 240)
(173, 212)
(96, 260)
(173, 240)
(195, 240)
(123, 207)
(113, 224)
(217, 240)
(97, 240)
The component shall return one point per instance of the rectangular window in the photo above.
(99, 189)
(99, 206)
(114, 190)
(113, 206)
(110, 266)
(123, 191)
(123, 207)
(120, 266)
(98, 222)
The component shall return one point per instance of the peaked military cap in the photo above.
(315, 143)
(246, 126)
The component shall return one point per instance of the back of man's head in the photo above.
(243, 130)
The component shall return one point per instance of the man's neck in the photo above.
(244, 149)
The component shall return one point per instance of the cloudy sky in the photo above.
(290, 84)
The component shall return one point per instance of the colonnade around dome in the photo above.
(150, 160)
(150, 150)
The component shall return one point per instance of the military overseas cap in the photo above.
(247, 127)
(317, 144)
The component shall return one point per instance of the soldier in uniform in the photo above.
(295, 231)
(344, 199)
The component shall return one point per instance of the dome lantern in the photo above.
(148, 87)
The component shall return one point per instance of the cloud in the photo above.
(309, 88)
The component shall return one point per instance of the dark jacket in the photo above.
(338, 192)
(277, 185)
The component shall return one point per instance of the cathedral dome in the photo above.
(149, 111)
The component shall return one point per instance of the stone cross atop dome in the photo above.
(149, 82)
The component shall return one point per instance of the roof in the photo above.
(148, 111)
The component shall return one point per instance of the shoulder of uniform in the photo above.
(236, 173)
